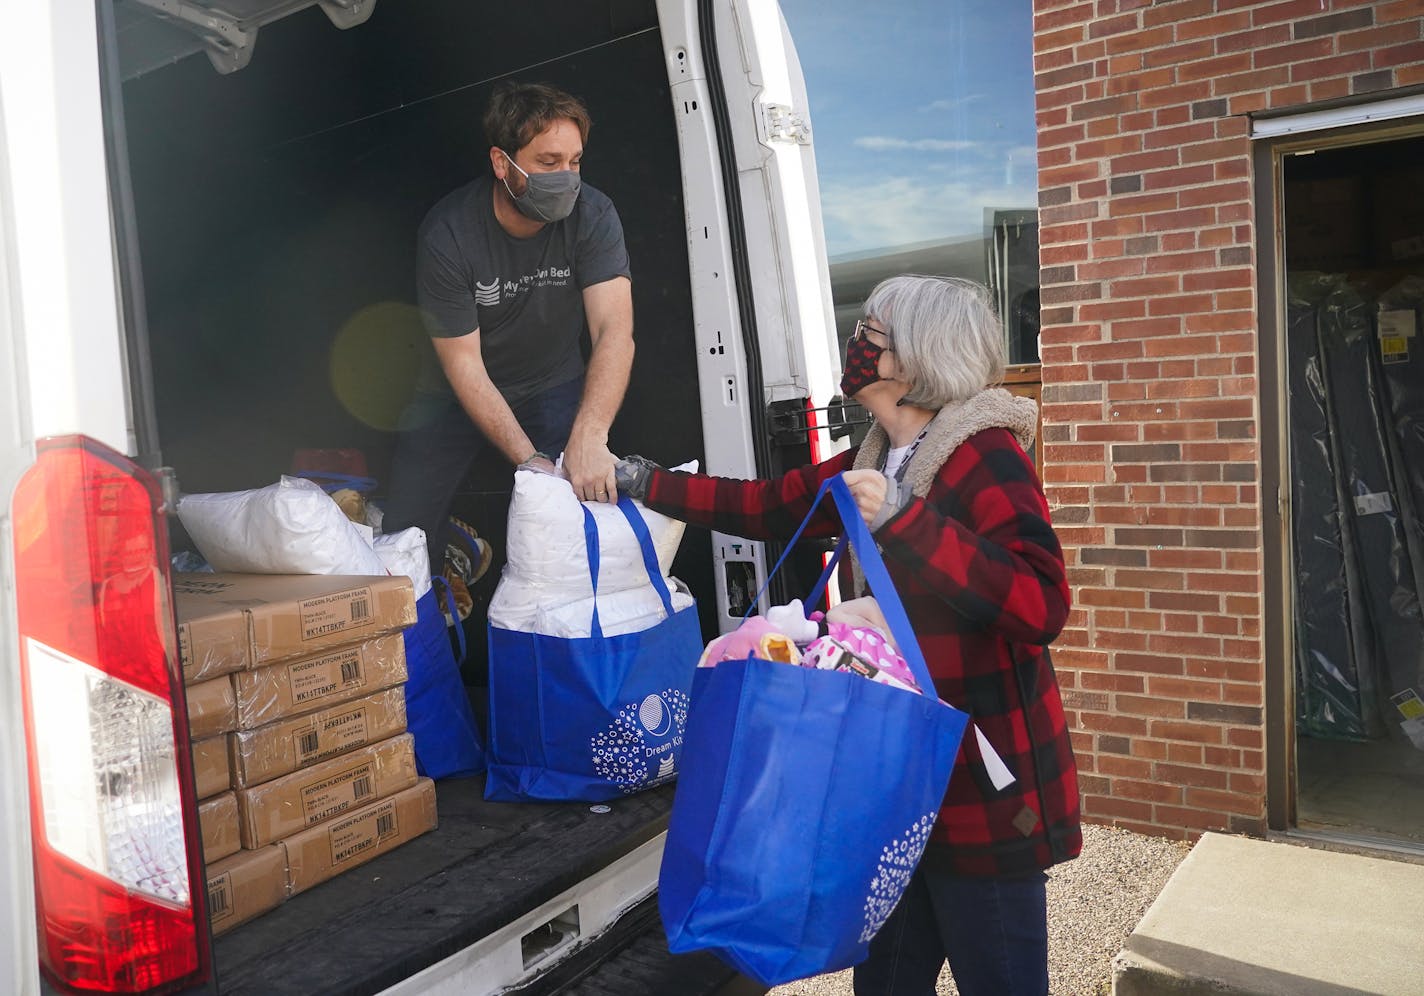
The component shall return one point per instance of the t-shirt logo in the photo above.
(487, 295)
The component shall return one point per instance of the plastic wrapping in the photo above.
(291, 527)
(1399, 323)
(246, 885)
(212, 769)
(318, 682)
(281, 807)
(1327, 627)
(1361, 447)
(545, 587)
(233, 622)
(288, 745)
(322, 852)
(217, 819)
(211, 708)
(302, 618)
(545, 547)
(209, 647)
(406, 553)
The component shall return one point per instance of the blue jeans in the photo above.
(434, 453)
(993, 931)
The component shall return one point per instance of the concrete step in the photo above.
(1268, 918)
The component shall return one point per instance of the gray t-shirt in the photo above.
(524, 295)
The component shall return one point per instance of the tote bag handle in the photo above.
(876, 576)
(445, 600)
(645, 544)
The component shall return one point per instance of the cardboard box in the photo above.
(209, 645)
(325, 851)
(246, 885)
(275, 809)
(232, 622)
(287, 745)
(311, 683)
(212, 708)
(217, 818)
(212, 767)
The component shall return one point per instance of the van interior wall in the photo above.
(277, 209)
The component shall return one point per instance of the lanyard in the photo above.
(909, 455)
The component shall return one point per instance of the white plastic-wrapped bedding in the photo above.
(291, 527)
(545, 586)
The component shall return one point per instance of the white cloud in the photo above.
(952, 103)
(883, 143)
(868, 214)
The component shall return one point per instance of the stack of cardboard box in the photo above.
(296, 708)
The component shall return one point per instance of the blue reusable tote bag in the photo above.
(591, 718)
(805, 801)
(438, 713)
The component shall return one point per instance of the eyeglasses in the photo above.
(862, 327)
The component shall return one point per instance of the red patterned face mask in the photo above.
(862, 364)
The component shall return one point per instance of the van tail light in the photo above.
(813, 437)
(113, 819)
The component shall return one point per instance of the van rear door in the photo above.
(62, 374)
(767, 351)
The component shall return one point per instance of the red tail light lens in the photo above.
(117, 848)
(813, 435)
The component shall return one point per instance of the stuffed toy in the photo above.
(864, 611)
(863, 650)
(792, 620)
(756, 637)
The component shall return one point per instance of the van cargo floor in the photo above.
(486, 865)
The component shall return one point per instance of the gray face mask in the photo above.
(547, 196)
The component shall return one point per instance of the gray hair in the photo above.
(947, 340)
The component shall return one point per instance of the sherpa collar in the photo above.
(991, 408)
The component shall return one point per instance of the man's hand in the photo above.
(868, 488)
(589, 464)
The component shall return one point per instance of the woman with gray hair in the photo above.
(945, 484)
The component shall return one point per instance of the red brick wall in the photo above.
(1150, 400)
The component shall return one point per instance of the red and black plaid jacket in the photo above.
(980, 572)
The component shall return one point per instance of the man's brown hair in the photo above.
(519, 111)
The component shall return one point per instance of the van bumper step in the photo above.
(632, 959)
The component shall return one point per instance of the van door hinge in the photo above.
(781, 123)
(792, 422)
(168, 487)
(228, 42)
(229, 37)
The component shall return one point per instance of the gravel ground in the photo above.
(1093, 904)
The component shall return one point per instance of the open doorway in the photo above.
(1354, 356)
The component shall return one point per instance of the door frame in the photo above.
(1269, 154)
(1025, 380)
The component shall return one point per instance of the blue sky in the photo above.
(922, 115)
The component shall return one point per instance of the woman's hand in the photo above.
(868, 489)
(634, 476)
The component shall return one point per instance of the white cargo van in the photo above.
(207, 213)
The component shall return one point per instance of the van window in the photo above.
(925, 147)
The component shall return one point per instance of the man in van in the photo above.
(510, 271)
